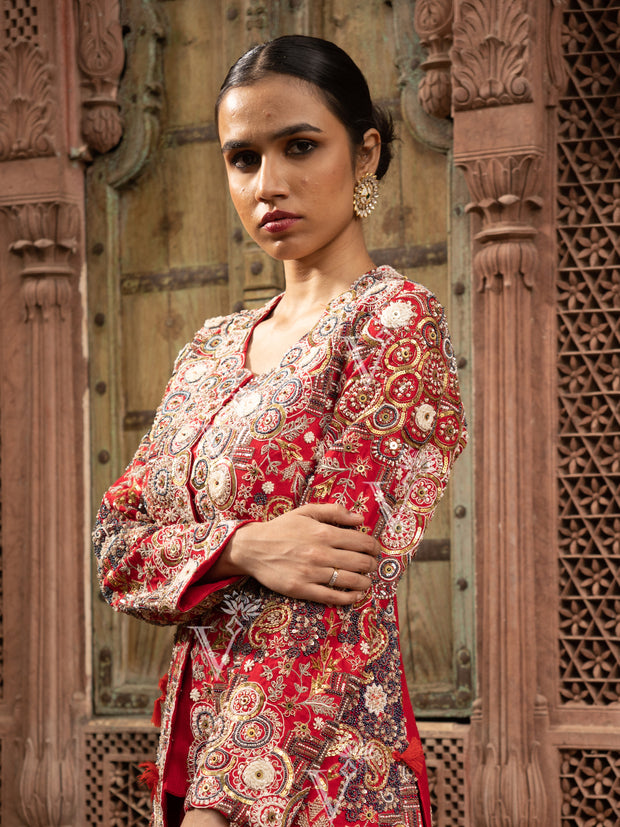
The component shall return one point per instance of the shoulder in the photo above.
(394, 302)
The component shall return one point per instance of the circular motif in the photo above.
(215, 441)
(212, 343)
(161, 480)
(430, 333)
(194, 372)
(180, 468)
(291, 356)
(248, 403)
(259, 774)
(434, 374)
(172, 553)
(403, 388)
(216, 761)
(447, 430)
(423, 494)
(173, 402)
(288, 393)
(269, 423)
(222, 483)
(269, 811)
(389, 569)
(200, 473)
(185, 436)
(357, 397)
(403, 354)
(256, 732)
(401, 533)
(246, 701)
(325, 328)
(396, 314)
(424, 417)
(386, 418)
(162, 426)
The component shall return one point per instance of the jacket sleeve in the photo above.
(398, 425)
(150, 567)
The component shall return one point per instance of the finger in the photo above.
(345, 579)
(354, 541)
(333, 597)
(331, 513)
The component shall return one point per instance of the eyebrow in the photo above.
(281, 133)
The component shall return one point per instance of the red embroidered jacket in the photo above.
(278, 711)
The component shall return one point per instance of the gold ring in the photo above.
(332, 579)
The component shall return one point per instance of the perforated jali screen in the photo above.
(589, 358)
(588, 301)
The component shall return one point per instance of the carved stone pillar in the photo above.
(499, 110)
(46, 239)
(42, 388)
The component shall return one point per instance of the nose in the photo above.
(271, 181)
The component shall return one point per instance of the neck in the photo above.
(312, 283)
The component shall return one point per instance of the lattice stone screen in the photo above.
(590, 788)
(589, 357)
(20, 20)
(114, 798)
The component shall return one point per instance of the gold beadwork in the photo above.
(365, 195)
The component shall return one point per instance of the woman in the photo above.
(291, 469)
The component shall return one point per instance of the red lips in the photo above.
(275, 216)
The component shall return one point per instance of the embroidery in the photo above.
(295, 708)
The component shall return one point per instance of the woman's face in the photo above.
(290, 168)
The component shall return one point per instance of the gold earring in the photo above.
(365, 195)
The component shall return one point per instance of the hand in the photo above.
(296, 553)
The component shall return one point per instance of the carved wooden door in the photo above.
(166, 251)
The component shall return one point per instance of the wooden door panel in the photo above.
(175, 254)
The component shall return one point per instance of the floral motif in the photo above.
(424, 417)
(259, 774)
(396, 314)
(375, 698)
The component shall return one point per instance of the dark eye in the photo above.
(244, 159)
(301, 146)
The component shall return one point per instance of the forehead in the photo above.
(271, 103)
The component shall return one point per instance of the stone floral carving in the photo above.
(505, 192)
(46, 237)
(100, 58)
(433, 23)
(490, 54)
(25, 102)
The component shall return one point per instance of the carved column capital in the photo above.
(100, 59)
(490, 54)
(506, 192)
(46, 239)
(433, 23)
(25, 102)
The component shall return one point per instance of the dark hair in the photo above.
(328, 67)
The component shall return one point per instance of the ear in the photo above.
(368, 153)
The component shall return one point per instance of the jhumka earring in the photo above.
(365, 195)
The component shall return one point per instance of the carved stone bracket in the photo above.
(490, 54)
(417, 70)
(141, 105)
(46, 238)
(100, 58)
(25, 102)
(505, 192)
(433, 23)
